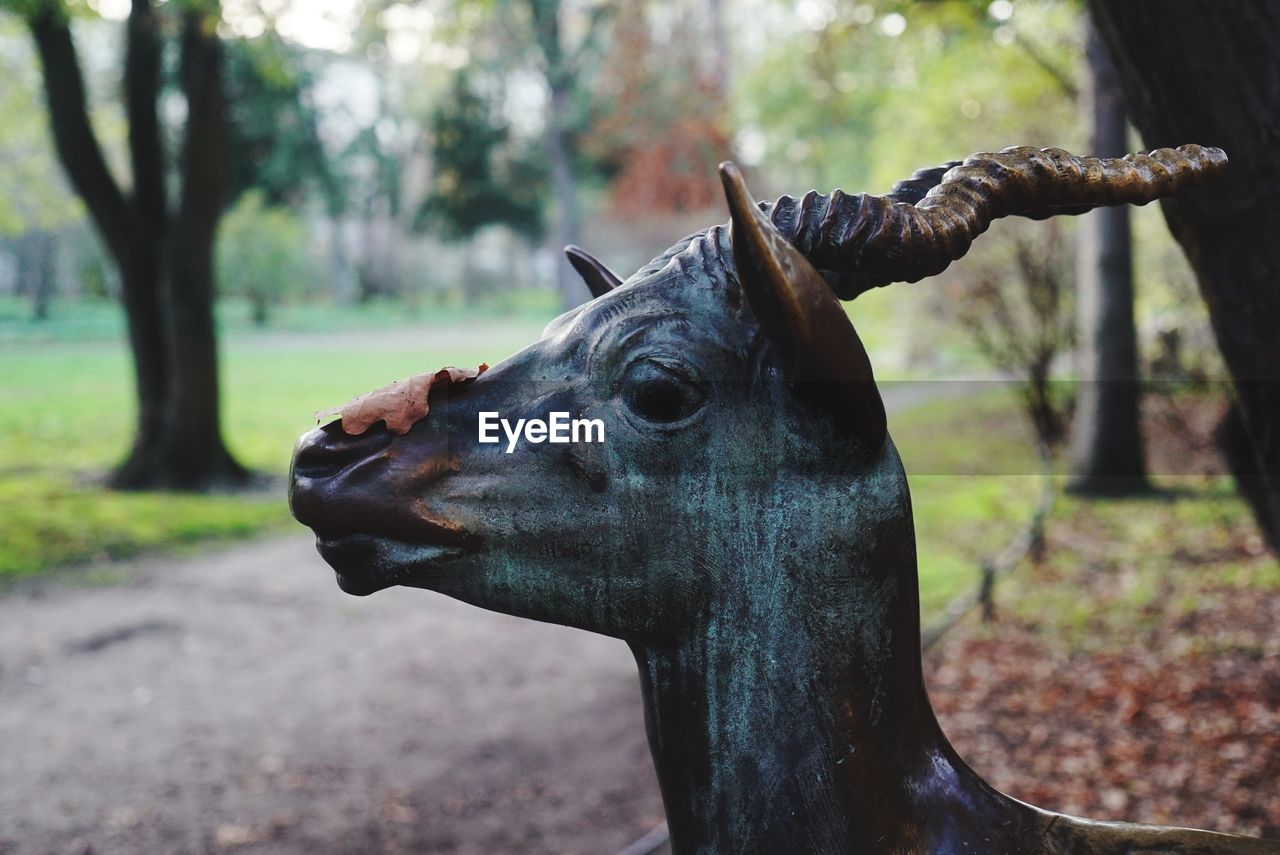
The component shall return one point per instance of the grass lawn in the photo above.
(974, 484)
(66, 413)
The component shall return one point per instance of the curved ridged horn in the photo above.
(817, 344)
(600, 279)
(912, 190)
(875, 240)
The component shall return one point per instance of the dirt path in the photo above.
(239, 702)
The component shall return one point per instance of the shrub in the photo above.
(263, 255)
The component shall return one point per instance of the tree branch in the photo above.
(592, 40)
(1059, 76)
(142, 88)
(204, 154)
(545, 16)
(73, 136)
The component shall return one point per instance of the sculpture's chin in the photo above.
(359, 585)
(365, 563)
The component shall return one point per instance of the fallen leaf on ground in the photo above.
(401, 404)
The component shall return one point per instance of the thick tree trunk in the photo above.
(165, 265)
(1207, 73)
(1106, 449)
(1233, 442)
(192, 454)
(140, 276)
(134, 252)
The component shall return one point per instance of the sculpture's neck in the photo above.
(772, 733)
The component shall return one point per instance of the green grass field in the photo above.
(66, 414)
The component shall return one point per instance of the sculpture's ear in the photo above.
(819, 348)
(600, 279)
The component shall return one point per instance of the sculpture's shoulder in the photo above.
(1067, 835)
(974, 818)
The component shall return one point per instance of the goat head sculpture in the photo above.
(746, 527)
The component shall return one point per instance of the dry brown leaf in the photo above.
(401, 404)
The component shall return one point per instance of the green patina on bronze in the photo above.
(746, 527)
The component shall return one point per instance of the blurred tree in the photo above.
(1023, 323)
(564, 63)
(1106, 454)
(859, 95)
(373, 171)
(164, 252)
(380, 151)
(518, 47)
(482, 176)
(274, 144)
(1206, 73)
(35, 251)
(35, 208)
(661, 120)
(263, 254)
(808, 106)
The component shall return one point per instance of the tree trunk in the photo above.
(1207, 73)
(719, 49)
(36, 271)
(140, 272)
(135, 254)
(370, 283)
(564, 187)
(165, 265)
(260, 307)
(1106, 450)
(344, 277)
(1237, 450)
(192, 455)
(45, 281)
(560, 147)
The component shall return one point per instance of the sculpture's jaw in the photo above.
(371, 527)
(367, 563)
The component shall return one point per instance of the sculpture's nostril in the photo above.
(325, 452)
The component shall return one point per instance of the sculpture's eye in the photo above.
(660, 393)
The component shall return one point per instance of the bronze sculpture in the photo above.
(746, 527)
